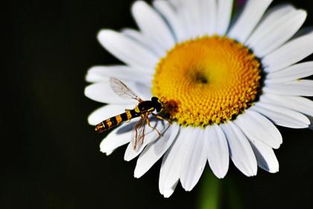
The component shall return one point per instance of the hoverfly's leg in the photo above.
(161, 118)
(135, 141)
(158, 116)
(154, 128)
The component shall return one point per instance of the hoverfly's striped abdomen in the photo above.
(116, 120)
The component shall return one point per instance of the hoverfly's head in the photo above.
(157, 103)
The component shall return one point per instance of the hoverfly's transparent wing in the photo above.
(122, 90)
(139, 132)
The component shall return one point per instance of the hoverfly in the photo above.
(144, 109)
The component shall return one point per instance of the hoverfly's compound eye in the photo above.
(154, 99)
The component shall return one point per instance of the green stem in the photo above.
(213, 192)
(210, 192)
(233, 195)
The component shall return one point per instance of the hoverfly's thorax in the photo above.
(146, 106)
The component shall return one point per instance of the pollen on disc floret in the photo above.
(212, 79)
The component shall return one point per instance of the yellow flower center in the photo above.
(209, 80)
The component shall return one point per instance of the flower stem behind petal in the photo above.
(210, 191)
(216, 193)
(233, 194)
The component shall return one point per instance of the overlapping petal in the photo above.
(218, 152)
(250, 17)
(290, 53)
(152, 25)
(127, 50)
(153, 152)
(276, 31)
(241, 152)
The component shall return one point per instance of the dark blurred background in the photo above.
(50, 156)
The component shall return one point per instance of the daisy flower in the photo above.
(231, 82)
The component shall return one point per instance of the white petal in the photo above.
(291, 73)
(241, 152)
(106, 112)
(127, 50)
(257, 128)
(265, 156)
(252, 13)
(191, 15)
(218, 153)
(196, 161)
(185, 21)
(116, 138)
(100, 73)
(152, 25)
(151, 135)
(271, 16)
(169, 191)
(291, 88)
(145, 41)
(173, 161)
(298, 104)
(181, 17)
(207, 14)
(290, 53)
(192, 18)
(176, 3)
(282, 116)
(137, 36)
(170, 15)
(224, 11)
(102, 92)
(155, 151)
(278, 32)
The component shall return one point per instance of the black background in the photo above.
(50, 156)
